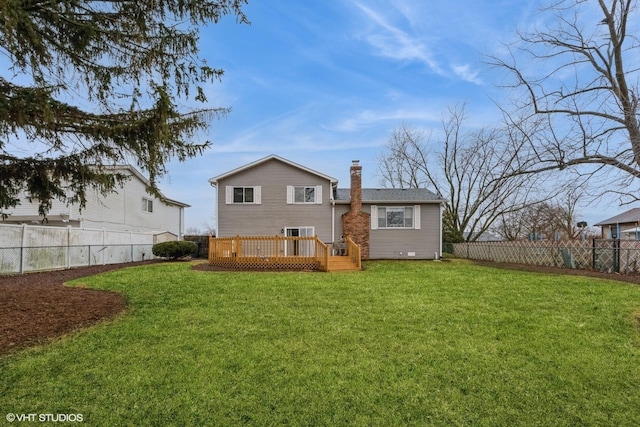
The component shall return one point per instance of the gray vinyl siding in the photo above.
(273, 213)
(341, 209)
(398, 244)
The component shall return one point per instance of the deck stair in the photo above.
(341, 263)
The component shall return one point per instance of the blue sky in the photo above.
(323, 82)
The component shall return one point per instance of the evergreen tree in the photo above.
(97, 83)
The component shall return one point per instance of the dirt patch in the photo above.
(36, 307)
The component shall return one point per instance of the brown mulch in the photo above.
(36, 307)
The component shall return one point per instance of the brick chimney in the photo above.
(356, 223)
(356, 186)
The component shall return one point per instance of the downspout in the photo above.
(333, 212)
(333, 220)
(441, 205)
(181, 232)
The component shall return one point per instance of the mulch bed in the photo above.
(36, 307)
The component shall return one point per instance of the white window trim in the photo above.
(146, 202)
(257, 194)
(416, 218)
(291, 195)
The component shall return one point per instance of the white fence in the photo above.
(619, 256)
(28, 248)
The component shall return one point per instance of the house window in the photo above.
(304, 194)
(242, 194)
(147, 205)
(395, 217)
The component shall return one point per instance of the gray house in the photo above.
(622, 226)
(275, 196)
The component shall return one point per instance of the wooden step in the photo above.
(341, 263)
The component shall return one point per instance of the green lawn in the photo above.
(401, 343)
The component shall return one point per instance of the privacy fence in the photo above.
(619, 256)
(28, 248)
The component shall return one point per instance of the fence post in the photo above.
(68, 246)
(627, 263)
(22, 248)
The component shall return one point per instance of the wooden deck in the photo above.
(281, 253)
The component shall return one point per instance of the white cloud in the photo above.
(392, 42)
(374, 118)
(467, 74)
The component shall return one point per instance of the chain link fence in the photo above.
(619, 256)
(15, 260)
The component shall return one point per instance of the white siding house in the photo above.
(129, 208)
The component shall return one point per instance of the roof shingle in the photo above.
(370, 195)
(632, 215)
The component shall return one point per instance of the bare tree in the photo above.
(475, 172)
(581, 74)
(555, 219)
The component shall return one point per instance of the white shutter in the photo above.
(289, 194)
(229, 195)
(374, 217)
(416, 217)
(257, 195)
(318, 194)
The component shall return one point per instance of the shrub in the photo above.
(174, 250)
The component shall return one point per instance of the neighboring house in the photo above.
(275, 196)
(129, 208)
(622, 226)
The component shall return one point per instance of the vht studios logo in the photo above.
(56, 418)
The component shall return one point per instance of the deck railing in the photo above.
(353, 251)
(269, 252)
